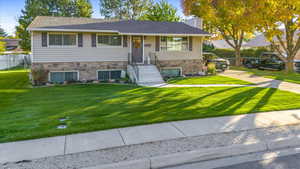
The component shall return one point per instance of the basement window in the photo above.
(105, 75)
(171, 72)
(60, 77)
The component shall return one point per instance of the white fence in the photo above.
(12, 60)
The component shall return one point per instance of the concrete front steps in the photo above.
(145, 75)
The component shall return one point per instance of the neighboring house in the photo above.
(11, 44)
(221, 44)
(261, 41)
(95, 49)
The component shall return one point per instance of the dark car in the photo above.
(221, 64)
(270, 61)
(297, 66)
(251, 63)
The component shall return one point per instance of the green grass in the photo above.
(278, 75)
(28, 113)
(207, 80)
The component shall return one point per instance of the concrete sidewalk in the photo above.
(62, 145)
(262, 81)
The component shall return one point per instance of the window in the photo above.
(173, 43)
(171, 72)
(62, 39)
(105, 75)
(60, 77)
(109, 40)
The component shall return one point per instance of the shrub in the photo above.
(211, 68)
(230, 53)
(39, 76)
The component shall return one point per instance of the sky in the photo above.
(10, 10)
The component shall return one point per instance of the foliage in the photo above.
(123, 9)
(278, 75)
(2, 46)
(28, 113)
(228, 53)
(228, 17)
(207, 80)
(33, 8)
(2, 33)
(208, 47)
(211, 68)
(280, 22)
(40, 76)
(161, 11)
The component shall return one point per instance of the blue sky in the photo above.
(10, 10)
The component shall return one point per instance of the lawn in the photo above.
(207, 80)
(278, 75)
(28, 113)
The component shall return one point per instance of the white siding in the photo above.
(96, 54)
(76, 54)
(196, 53)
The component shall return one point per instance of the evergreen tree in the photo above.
(2, 33)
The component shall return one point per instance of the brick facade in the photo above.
(87, 70)
(188, 66)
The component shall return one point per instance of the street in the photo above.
(286, 162)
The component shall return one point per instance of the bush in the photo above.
(230, 53)
(211, 68)
(39, 76)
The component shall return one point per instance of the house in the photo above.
(11, 44)
(222, 44)
(84, 49)
(261, 41)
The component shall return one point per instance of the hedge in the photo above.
(228, 53)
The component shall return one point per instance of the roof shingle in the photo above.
(123, 26)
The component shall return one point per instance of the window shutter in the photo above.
(157, 43)
(44, 39)
(93, 40)
(125, 41)
(80, 40)
(191, 43)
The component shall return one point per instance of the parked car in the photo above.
(270, 61)
(297, 66)
(221, 64)
(251, 62)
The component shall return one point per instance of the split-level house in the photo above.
(83, 49)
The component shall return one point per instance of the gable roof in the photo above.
(258, 41)
(261, 40)
(133, 27)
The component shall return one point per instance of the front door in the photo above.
(137, 49)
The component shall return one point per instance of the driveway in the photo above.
(262, 81)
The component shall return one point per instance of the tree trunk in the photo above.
(237, 57)
(289, 66)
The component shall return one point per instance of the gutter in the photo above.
(115, 31)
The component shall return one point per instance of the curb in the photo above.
(221, 156)
(205, 154)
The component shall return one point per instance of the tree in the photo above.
(280, 22)
(2, 45)
(2, 32)
(123, 9)
(229, 17)
(33, 8)
(161, 11)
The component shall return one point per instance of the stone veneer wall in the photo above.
(87, 70)
(193, 66)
